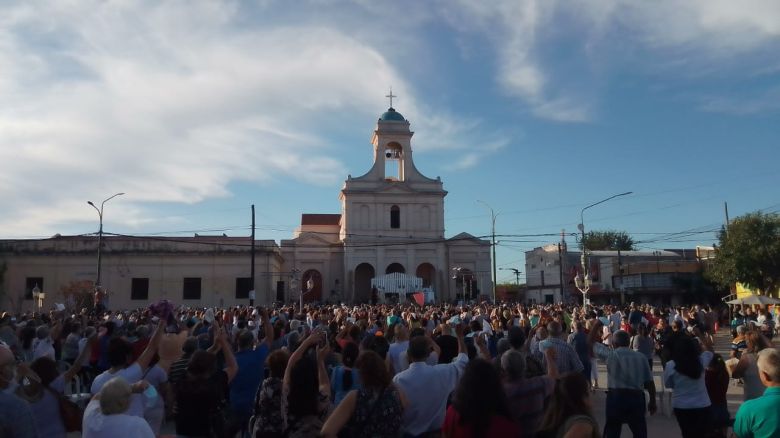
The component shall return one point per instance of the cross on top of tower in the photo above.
(391, 96)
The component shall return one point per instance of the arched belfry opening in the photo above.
(394, 162)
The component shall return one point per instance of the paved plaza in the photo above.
(663, 423)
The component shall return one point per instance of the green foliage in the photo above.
(609, 240)
(749, 253)
(78, 294)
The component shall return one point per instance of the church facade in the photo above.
(388, 238)
(391, 221)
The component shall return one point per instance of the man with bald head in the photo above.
(628, 375)
(106, 414)
(16, 418)
(565, 356)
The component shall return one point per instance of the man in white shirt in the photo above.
(428, 387)
(119, 352)
(42, 347)
(106, 415)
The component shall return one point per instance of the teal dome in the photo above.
(391, 115)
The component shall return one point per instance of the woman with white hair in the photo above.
(106, 415)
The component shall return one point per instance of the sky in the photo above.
(197, 110)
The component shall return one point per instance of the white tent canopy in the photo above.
(755, 299)
(400, 284)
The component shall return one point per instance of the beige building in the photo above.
(391, 222)
(196, 271)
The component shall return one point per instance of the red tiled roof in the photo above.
(320, 219)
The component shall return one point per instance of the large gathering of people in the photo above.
(386, 370)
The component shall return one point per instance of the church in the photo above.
(389, 239)
(388, 242)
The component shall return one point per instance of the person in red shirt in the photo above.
(625, 326)
(479, 408)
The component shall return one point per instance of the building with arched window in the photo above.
(389, 234)
(391, 221)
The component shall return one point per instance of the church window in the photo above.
(395, 217)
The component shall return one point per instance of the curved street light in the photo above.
(100, 233)
(515, 271)
(582, 280)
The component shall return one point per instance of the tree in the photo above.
(609, 240)
(749, 253)
(78, 294)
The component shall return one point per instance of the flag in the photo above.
(419, 298)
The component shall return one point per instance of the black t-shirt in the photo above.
(197, 400)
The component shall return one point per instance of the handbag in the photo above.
(70, 412)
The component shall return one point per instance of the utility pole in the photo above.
(252, 271)
(622, 288)
(493, 215)
(560, 269)
(726, 208)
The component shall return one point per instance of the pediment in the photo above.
(467, 239)
(311, 238)
(396, 188)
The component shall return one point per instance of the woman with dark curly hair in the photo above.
(267, 421)
(479, 408)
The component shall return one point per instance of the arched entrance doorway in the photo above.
(364, 272)
(311, 285)
(395, 267)
(427, 272)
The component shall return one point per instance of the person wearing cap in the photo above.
(428, 387)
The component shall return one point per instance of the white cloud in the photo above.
(169, 102)
(173, 102)
(697, 35)
(743, 105)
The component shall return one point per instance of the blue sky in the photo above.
(198, 109)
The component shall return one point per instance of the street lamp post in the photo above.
(582, 281)
(100, 234)
(493, 216)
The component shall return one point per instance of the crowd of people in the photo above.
(480, 370)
